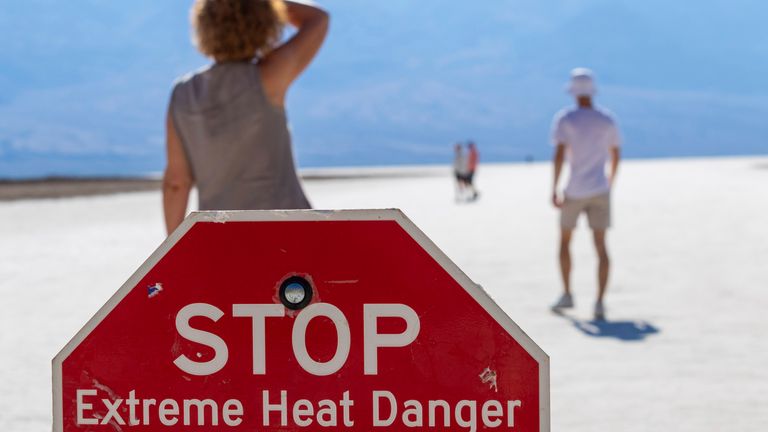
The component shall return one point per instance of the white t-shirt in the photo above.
(588, 135)
(460, 164)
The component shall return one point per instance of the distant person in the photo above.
(460, 170)
(473, 159)
(589, 138)
(226, 127)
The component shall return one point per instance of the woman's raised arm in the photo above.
(281, 66)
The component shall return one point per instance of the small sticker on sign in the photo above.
(488, 376)
(154, 290)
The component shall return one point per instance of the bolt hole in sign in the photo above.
(300, 321)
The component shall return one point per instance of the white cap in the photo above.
(582, 83)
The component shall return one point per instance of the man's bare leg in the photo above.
(604, 266)
(459, 189)
(565, 259)
(565, 301)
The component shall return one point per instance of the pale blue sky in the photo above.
(83, 88)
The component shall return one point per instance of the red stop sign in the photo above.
(300, 320)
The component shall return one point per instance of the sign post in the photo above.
(300, 320)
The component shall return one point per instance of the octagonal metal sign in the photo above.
(300, 320)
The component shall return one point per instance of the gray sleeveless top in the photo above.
(237, 143)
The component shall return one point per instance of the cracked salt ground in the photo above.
(688, 245)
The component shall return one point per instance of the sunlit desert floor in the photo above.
(685, 346)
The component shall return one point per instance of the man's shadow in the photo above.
(623, 330)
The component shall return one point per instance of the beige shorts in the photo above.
(597, 208)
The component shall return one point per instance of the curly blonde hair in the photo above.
(237, 30)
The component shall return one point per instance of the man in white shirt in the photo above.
(589, 138)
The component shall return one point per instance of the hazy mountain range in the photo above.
(84, 84)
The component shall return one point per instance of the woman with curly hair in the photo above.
(226, 129)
